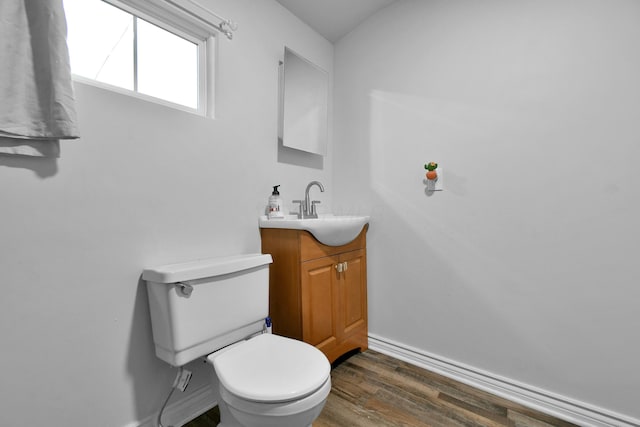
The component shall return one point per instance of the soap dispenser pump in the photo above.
(275, 208)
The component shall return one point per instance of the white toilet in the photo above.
(216, 308)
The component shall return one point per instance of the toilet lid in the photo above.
(271, 368)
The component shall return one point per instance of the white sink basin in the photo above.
(331, 230)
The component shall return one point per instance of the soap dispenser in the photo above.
(275, 208)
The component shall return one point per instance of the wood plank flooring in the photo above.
(372, 389)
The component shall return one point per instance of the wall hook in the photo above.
(433, 179)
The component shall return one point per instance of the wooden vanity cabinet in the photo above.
(318, 293)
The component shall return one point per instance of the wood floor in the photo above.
(371, 389)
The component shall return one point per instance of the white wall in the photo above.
(526, 266)
(145, 185)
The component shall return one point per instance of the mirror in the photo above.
(304, 97)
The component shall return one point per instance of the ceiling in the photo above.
(334, 18)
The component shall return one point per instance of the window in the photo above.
(132, 50)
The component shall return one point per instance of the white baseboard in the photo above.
(544, 401)
(182, 411)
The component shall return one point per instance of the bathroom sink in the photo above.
(330, 230)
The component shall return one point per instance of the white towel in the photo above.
(36, 94)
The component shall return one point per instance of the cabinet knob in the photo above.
(341, 266)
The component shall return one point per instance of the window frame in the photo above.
(180, 24)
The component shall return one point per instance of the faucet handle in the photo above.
(313, 208)
(299, 213)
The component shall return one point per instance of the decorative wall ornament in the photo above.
(433, 177)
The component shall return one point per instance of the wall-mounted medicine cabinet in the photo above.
(304, 95)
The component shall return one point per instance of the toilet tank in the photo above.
(201, 306)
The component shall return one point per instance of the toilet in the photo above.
(216, 309)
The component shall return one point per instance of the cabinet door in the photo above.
(318, 293)
(353, 293)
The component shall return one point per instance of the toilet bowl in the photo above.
(271, 381)
(216, 308)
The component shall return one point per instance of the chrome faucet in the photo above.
(309, 207)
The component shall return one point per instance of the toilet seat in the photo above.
(271, 368)
(276, 410)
